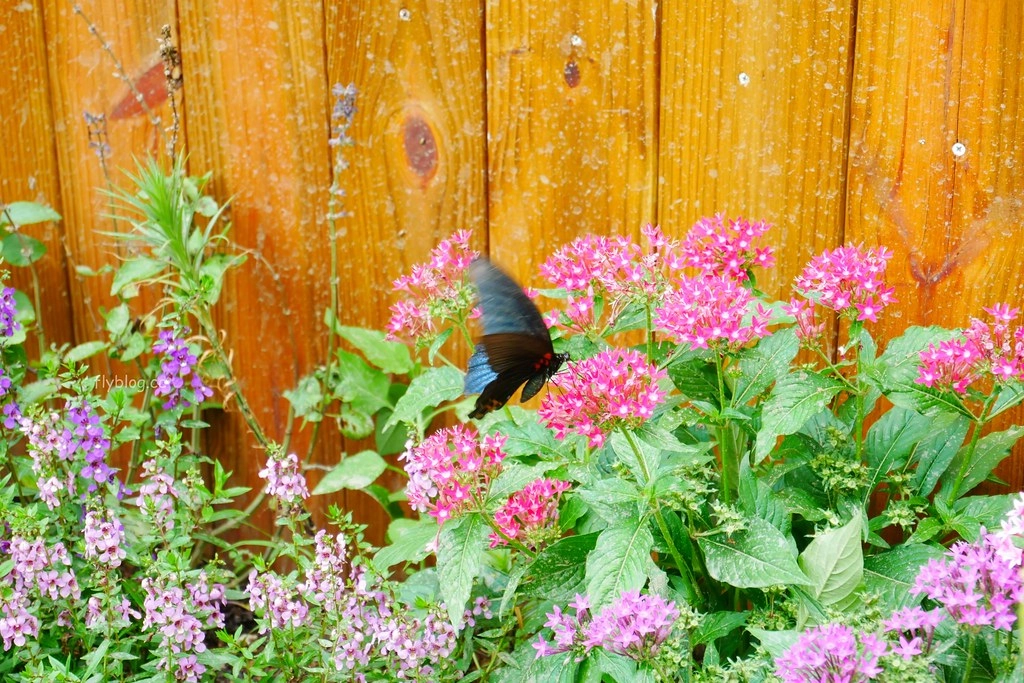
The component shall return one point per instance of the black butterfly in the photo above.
(516, 345)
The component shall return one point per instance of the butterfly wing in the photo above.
(505, 306)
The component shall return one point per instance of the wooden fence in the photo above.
(530, 123)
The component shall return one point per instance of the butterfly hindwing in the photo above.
(506, 308)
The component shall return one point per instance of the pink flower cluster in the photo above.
(726, 247)
(985, 349)
(612, 389)
(179, 615)
(634, 626)
(104, 538)
(712, 311)
(284, 479)
(614, 270)
(450, 470)
(848, 280)
(530, 516)
(38, 571)
(157, 496)
(178, 364)
(832, 652)
(268, 595)
(434, 291)
(8, 311)
(979, 584)
(915, 629)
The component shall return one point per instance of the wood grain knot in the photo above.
(571, 73)
(420, 146)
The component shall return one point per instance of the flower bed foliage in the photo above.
(709, 491)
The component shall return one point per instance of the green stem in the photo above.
(730, 466)
(979, 423)
(858, 428)
(970, 657)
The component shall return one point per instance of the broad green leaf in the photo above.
(79, 353)
(354, 423)
(618, 562)
(934, 453)
(356, 382)
(757, 557)
(117, 320)
(527, 437)
(718, 625)
(353, 472)
(834, 561)
(696, 379)
(37, 391)
(757, 499)
(409, 541)
(989, 452)
(461, 549)
(895, 373)
(558, 572)
(612, 499)
(891, 574)
(21, 250)
(387, 355)
(796, 398)
(983, 511)
(891, 440)
(134, 271)
(514, 477)
(764, 363)
(775, 642)
(1010, 395)
(640, 457)
(306, 398)
(927, 529)
(433, 387)
(619, 667)
(27, 213)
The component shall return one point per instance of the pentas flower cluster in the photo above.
(179, 615)
(634, 626)
(915, 628)
(832, 653)
(284, 479)
(434, 291)
(177, 366)
(712, 311)
(614, 270)
(157, 496)
(530, 516)
(450, 470)
(986, 349)
(104, 538)
(38, 572)
(848, 280)
(615, 388)
(726, 247)
(979, 584)
(8, 309)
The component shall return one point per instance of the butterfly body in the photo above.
(515, 349)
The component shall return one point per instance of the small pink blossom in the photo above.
(616, 388)
(849, 280)
(530, 516)
(725, 247)
(285, 481)
(832, 653)
(104, 539)
(712, 312)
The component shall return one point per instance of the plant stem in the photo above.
(730, 466)
(979, 423)
(970, 657)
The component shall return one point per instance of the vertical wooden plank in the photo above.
(754, 108)
(83, 79)
(257, 117)
(417, 169)
(928, 78)
(571, 124)
(28, 164)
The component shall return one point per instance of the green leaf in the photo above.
(934, 453)
(527, 437)
(796, 398)
(117, 320)
(428, 390)
(134, 271)
(79, 353)
(306, 398)
(891, 574)
(775, 642)
(618, 562)
(989, 452)
(834, 561)
(387, 355)
(757, 557)
(695, 378)
(353, 472)
(27, 213)
(612, 499)
(354, 423)
(37, 391)
(20, 249)
(895, 373)
(409, 541)
(1010, 394)
(891, 440)
(461, 548)
(642, 462)
(764, 364)
(718, 625)
(355, 382)
(514, 477)
(559, 570)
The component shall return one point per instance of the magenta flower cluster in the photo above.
(914, 628)
(634, 626)
(726, 247)
(615, 388)
(434, 291)
(978, 584)
(38, 571)
(712, 311)
(832, 653)
(8, 309)
(177, 366)
(179, 614)
(285, 480)
(530, 516)
(848, 280)
(451, 470)
(986, 349)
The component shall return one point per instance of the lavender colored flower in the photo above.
(157, 496)
(86, 437)
(177, 365)
(914, 628)
(178, 616)
(8, 309)
(5, 383)
(270, 598)
(104, 538)
(284, 479)
(17, 624)
(832, 653)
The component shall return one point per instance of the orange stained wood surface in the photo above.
(529, 123)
